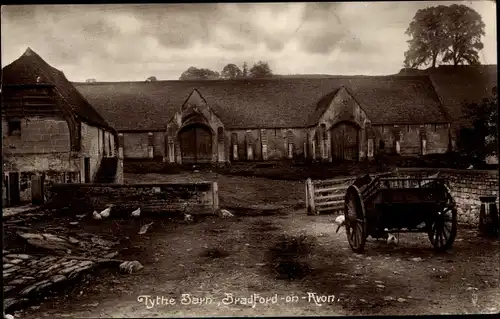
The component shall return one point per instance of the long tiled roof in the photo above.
(269, 103)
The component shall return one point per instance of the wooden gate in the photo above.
(345, 139)
(328, 195)
(196, 144)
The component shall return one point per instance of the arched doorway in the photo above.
(345, 141)
(196, 144)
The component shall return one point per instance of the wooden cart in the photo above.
(380, 205)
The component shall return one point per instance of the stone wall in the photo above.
(266, 144)
(135, 145)
(466, 187)
(38, 135)
(66, 161)
(201, 197)
(410, 140)
(159, 144)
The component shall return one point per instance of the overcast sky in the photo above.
(132, 42)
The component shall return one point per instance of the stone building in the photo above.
(456, 85)
(50, 132)
(222, 121)
(347, 118)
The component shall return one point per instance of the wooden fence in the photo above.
(328, 195)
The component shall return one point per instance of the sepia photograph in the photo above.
(250, 159)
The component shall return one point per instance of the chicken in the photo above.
(105, 213)
(340, 221)
(188, 218)
(391, 239)
(144, 228)
(224, 213)
(136, 213)
(96, 215)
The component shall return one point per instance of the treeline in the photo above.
(231, 71)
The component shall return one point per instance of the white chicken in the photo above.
(340, 221)
(224, 213)
(96, 215)
(188, 218)
(136, 213)
(105, 213)
(391, 239)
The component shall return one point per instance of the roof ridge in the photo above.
(284, 80)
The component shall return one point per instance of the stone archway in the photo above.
(345, 141)
(196, 143)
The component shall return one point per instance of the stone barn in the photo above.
(338, 118)
(456, 85)
(50, 131)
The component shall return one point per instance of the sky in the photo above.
(130, 42)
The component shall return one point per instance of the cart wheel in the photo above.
(355, 219)
(443, 228)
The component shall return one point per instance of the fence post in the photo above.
(310, 197)
(215, 196)
(307, 194)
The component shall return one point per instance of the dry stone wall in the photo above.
(201, 197)
(466, 186)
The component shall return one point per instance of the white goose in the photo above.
(96, 215)
(340, 221)
(136, 213)
(105, 213)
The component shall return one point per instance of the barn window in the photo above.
(381, 145)
(14, 127)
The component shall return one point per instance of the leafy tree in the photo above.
(450, 32)
(230, 72)
(464, 28)
(194, 73)
(261, 69)
(245, 70)
(151, 79)
(428, 37)
(480, 140)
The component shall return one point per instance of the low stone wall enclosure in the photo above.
(466, 187)
(192, 198)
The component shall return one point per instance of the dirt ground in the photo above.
(273, 249)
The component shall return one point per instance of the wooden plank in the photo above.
(310, 186)
(330, 197)
(215, 196)
(334, 181)
(307, 194)
(333, 202)
(334, 208)
(330, 189)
